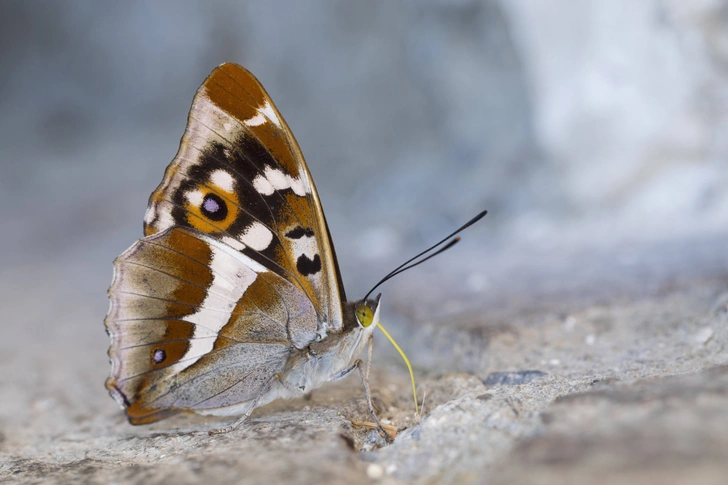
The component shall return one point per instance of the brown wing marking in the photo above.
(196, 325)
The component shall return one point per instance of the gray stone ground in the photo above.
(627, 382)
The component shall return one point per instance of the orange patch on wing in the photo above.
(237, 92)
(299, 206)
(204, 224)
(138, 413)
(259, 316)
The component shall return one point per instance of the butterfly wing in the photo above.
(196, 325)
(240, 177)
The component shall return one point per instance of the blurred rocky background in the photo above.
(579, 330)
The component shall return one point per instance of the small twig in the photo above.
(389, 428)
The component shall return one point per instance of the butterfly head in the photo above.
(367, 312)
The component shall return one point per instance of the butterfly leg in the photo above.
(370, 349)
(365, 382)
(291, 388)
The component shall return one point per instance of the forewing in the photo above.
(240, 177)
(197, 325)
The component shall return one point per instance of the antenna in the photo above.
(409, 264)
(403, 267)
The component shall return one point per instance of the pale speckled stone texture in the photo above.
(671, 430)
(631, 386)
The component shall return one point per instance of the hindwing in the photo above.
(196, 325)
(239, 177)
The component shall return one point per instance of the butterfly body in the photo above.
(307, 369)
(233, 298)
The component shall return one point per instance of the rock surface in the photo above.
(633, 387)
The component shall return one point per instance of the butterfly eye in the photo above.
(364, 315)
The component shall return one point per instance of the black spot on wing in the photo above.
(214, 208)
(216, 157)
(307, 266)
(235, 161)
(299, 232)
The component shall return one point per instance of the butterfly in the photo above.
(234, 297)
